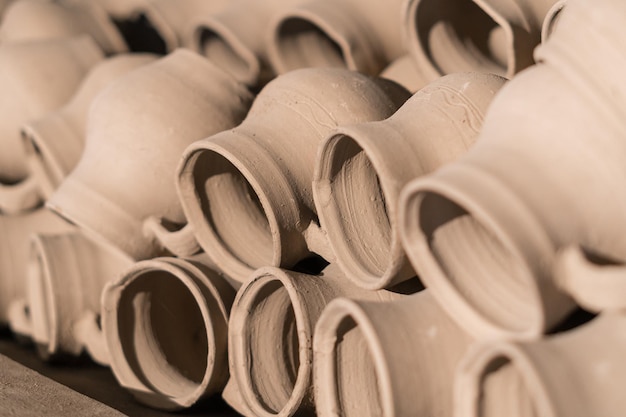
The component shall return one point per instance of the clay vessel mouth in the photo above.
(271, 337)
(471, 262)
(458, 35)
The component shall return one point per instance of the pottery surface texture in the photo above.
(15, 233)
(37, 77)
(495, 36)
(247, 192)
(271, 337)
(136, 131)
(65, 277)
(54, 143)
(386, 359)
(235, 38)
(166, 327)
(578, 373)
(483, 232)
(361, 170)
(361, 36)
(34, 20)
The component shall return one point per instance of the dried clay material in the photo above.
(483, 232)
(579, 373)
(55, 142)
(495, 36)
(361, 170)
(36, 78)
(34, 20)
(405, 72)
(271, 338)
(361, 36)
(66, 273)
(235, 38)
(386, 359)
(14, 251)
(166, 327)
(247, 192)
(136, 132)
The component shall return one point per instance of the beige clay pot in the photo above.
(495, 36)
(361, 36)
(361, 170)
(405, 72)
(271, 338)
(386, 359)
(247, 191)
(136, 132)
(65, 276)
(166, 327)
(36, 77)
(32, 20)
(235, 38)
(579, 373)
(55, 142)
(483, 232)
(15, 233)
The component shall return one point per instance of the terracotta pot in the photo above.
(577, 373)
(235, 38)
(496, 36)
(360, 36)
(247, 194)
(14, 249)
(55, 142)
(483, 232)
(361, 170)
(166, 326)
(386, 359)
(26, 71)
(30, 20)
(136, 132)
(64, 322)
(271, 337)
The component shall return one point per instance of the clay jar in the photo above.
(37, 77)
(483, 232)
(362, 36)
(15, 232)
(31, 20)
(64, 322)
(166, 327)
(271, 338)
(361, 170)
(235, 38)
(55, 142)
(386, 359)
(136, 132)
(495, 36)
(577, 373)
(247, 191)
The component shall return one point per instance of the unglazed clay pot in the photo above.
(496, 36)
(579, 373)
(271, 337)
(386, 359)
(361, 170)
(15, 232)
(136, 132)
(247, 191)
(235, 38)
(362, 36)
(66, 273)
(166, 327)
(37, 77)
(483, 232)
(55, 142)
(30, 20)
(405, 72)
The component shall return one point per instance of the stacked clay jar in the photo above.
(381, 208)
